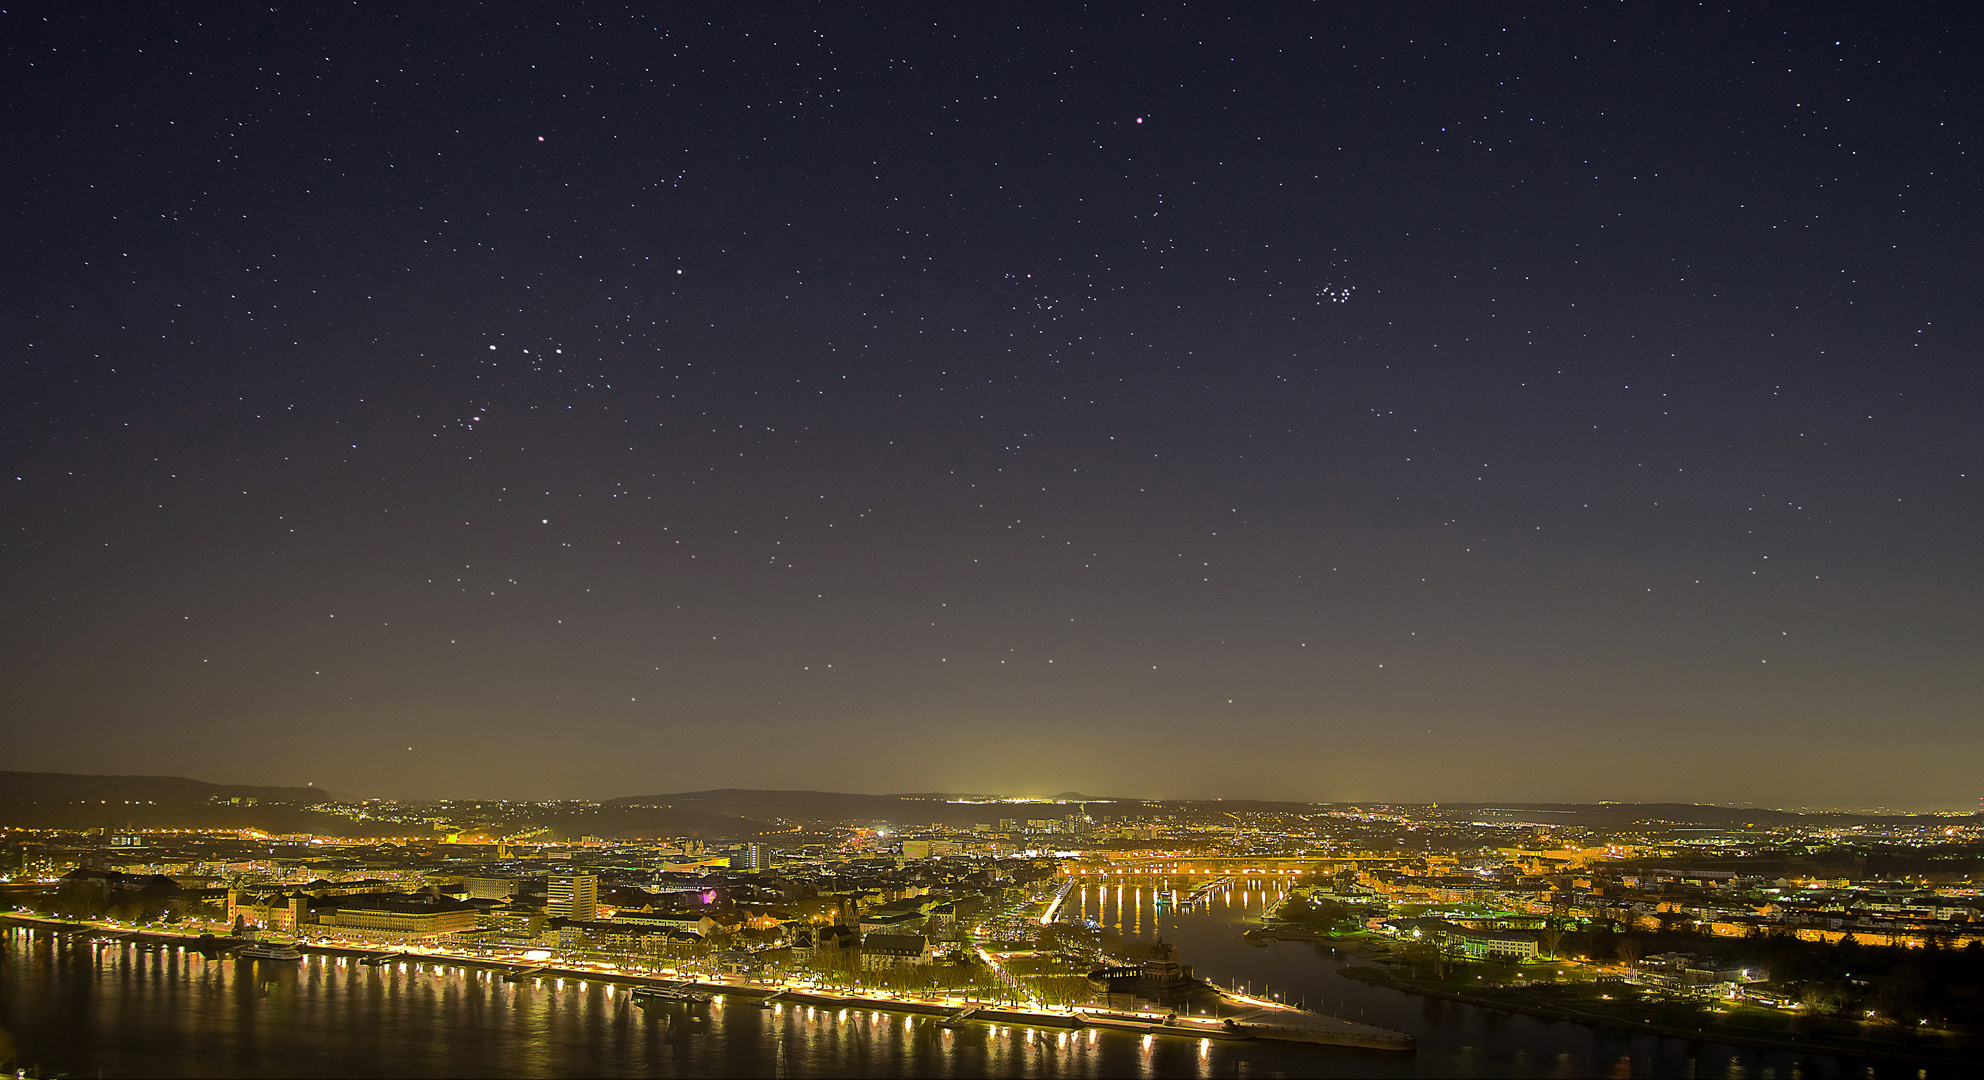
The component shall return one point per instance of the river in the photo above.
(1454, 1039)
(114, 1009)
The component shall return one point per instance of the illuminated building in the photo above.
(396, 916)
(881, 951)
(491, 888)
(572, 896)
(273, 911)
(1495, 943)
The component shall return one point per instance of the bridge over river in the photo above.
(1115, 865)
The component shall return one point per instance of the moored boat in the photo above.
(668, 993)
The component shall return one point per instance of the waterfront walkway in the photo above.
(1265, 1020)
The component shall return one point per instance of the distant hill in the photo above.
(636, 821)
(76, 801)
(808, 806)
(1620, 814)
(60, 788)
(930, 808)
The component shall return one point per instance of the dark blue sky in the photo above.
(1304, 402)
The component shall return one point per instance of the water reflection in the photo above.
(1454, 1039)
(81, 1008)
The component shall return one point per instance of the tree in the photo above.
(1063, 990)
(1424, 952)
(76, 900)
(1671, 921)
(1822, 999)
(1295, 909)
(1320, 913)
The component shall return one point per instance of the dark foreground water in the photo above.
(84, 1010)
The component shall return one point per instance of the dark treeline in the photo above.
(1321, 914)
(157, 899)
(1846, 980)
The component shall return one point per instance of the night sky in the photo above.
(1321, 402)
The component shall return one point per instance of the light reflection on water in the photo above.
(80, 1009)
(1454, 1039)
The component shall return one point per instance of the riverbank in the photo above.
(1515, 1002)
(1266, 1020)
(1261, 935)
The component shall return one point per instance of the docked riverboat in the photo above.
(269, 950)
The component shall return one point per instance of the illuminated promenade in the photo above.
(1253, 1018)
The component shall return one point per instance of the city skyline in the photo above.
(1331, 406)
(1735, 940)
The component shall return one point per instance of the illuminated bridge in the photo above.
(1189, 866)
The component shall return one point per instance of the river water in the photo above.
(84, 1009)
(1454, 1039)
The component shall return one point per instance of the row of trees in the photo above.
(91, 900)
(1845, 979)
(1321, 914)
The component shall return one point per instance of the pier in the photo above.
(1054, 905)
(1206, 890)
